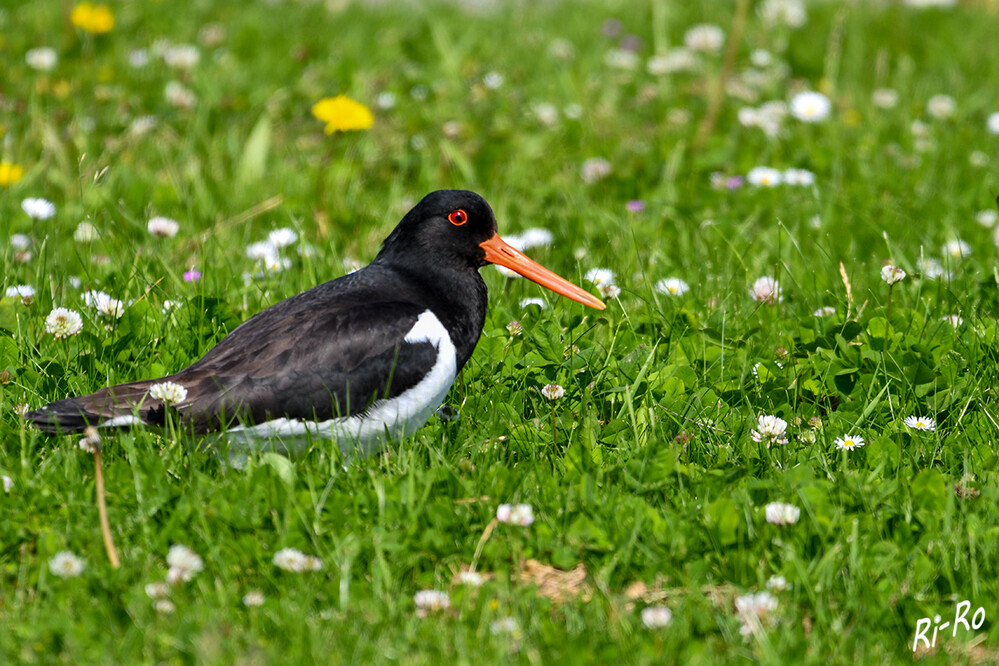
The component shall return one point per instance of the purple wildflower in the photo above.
(611, 28)
(632, 43)
(635, 205)
(192, 275)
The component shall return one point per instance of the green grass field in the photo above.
(647, 485)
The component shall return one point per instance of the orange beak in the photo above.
(498, 251)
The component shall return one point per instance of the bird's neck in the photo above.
(456, 296)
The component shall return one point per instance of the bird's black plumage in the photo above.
(330, 351)
(337, 349)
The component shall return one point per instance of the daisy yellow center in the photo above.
(849, 443)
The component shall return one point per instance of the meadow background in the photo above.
(645, 482)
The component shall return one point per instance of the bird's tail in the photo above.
(112, 407)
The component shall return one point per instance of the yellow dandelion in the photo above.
(95, 19)
(341, 113)
(10, 173)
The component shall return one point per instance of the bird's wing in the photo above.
(294, 360)
(308, 365)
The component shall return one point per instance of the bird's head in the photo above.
(457, 227)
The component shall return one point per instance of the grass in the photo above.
(651, 481)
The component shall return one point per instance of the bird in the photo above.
(361, 360)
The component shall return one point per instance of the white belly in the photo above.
(385, 420)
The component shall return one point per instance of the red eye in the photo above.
(457, 217)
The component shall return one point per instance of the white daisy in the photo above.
(262, 251)
(930, 268)
(672, 287)
(993, 123)
(276, 264)
(515, 514)
(525, 302)
(472, 578)
(157, 590)
(385, 100)
(920, 423)
(679, 59)
(561, 49)
(66, 564)
(39, 209)
(885, 98)
(953, 320)
(987, 218)
(63, 322)
(789, 13)
(42, 58)
(535, 237)
(705, 38)
(254, 598)
(282, 237)
(493, 80)
(802, 177)
(594, 169)
(163, 227)
(94, 297)
(182, 56)
(764, 177)
(956, 248)
(294, 560)
(169, 392)
(761, 58)
(621, 59)
(849, 442)
(810, 107)
(142, 125)
(7, 482)
(941, 106)
(824, 311)
(779, 513)
(599, 276)
(138, 58)
(85, 233)
(23, 291)
(20, 241)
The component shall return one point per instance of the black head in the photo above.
(456, 230)
(446, 227)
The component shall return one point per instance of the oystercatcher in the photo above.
(361, 359)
